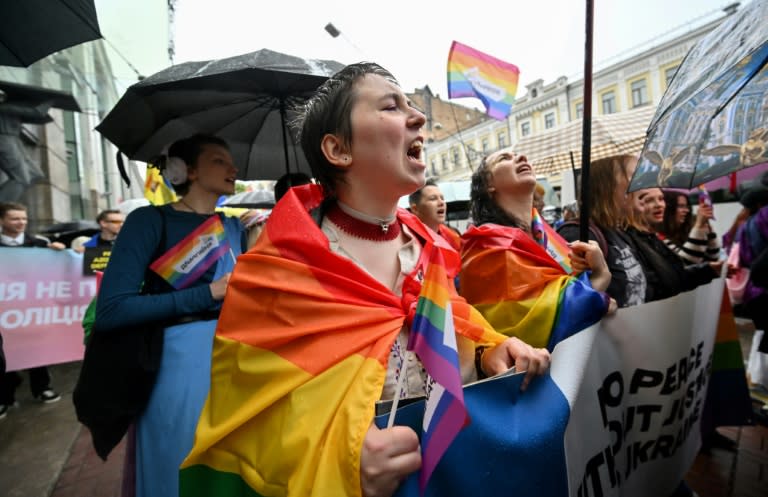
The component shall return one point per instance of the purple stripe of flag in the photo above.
(447, 421)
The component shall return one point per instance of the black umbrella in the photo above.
(247, 100)
(33, 29)
(66, 232)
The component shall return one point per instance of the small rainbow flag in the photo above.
(183, 264)
(472, 73)
(433, 338)
(553, 243)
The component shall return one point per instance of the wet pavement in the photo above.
(44, 451)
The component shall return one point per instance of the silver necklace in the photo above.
(193, 209)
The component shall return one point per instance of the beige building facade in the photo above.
(628, 84)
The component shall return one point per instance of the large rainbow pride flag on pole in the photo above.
(472, 73)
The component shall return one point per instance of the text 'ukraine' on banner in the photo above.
(472, 73)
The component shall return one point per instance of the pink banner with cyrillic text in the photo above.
(43, 296)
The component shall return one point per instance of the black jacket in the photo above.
(665, 271)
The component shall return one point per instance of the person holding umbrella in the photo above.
(315, 326)
(609, 217)
(183, 253)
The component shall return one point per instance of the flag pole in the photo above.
(586, 131)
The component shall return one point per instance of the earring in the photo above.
(346, 158)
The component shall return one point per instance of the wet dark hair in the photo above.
(670, 228)
(415, 197)
(189, 150)
(482, 207)
(329, 111)
(288, 180)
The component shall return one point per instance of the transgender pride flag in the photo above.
(472, 73)
(433, 338)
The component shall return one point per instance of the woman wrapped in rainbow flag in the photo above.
(534, 296)
(316, 323)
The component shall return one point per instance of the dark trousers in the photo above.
(39, 380)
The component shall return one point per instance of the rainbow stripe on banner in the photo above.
(553, 243)
(472, 73)
(433, 338)
(183, 264)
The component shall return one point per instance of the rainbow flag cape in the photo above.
(183, 263)
(531, 297)
(553, 243)
(299, 360)
(157, 189)
(433, 338)
(472, 73)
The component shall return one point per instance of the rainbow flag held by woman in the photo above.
(532, 297)
(183, 263)
(472, 73)
(299, 360)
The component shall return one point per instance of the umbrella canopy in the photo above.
(33, 29)
(713, 119)
(256, 199)
(66, 232)
(619, 133)
(247, 100)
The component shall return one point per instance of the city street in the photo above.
(44, 452)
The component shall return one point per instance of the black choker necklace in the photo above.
(379, 230)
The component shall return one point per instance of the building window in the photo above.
(639, 93)
(485, 145)
(609, 102)
(502, 139)
(549, 120)
(433, 163)
(455, 156)
(579, 110)
(668, 74)
(444, 162)
(525, 129)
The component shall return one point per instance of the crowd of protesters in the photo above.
(336, 259)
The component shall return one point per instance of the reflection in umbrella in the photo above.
(247, 100)
(713, 119)
(33, 29)
(256, 199)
